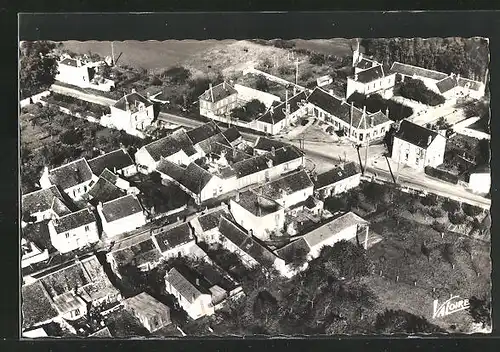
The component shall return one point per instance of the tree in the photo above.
(317, 59)
(448, 253)
(178, 74)
(156, 81)
(37, 67)
(471, 210)
(480, 310)
(262, 84)
(265, 306)
(415, 89)
(451, 206)
(456, 218)
(344, 259)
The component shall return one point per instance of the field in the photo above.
(151, 55)
(336, 46)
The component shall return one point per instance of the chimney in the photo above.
(133, 90)
(271, 111)
(294, 90)
(330, 91)
(355, 76)
(197, 282)
(387, 112)
(211, 91)
(99, 205)
(269, 163)
(315, 176)
(224, 85)
(273, 151)
(458, 77)
(364, 110)
(237, 197)
(429, 141)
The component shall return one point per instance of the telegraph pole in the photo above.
(296, 71)
(366, 154)
(399, 162)
(113, 53)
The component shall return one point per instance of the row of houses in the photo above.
(82, 73)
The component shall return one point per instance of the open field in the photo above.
(151, 55)
(336, 46)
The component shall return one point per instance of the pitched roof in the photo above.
(370, 75)
(246, 243)
(291, 183)
(103, 333)
(170, 145)
(71, 174)
(41, 200)
(364, 63)
(131, 99)
(109, 176)
(137, 253)
(170, 169)
(170, 238)
(276, 114)
(330, 104)
(335, 175)
(185, 287)
(332, 228)
(446, 84)
(215, 144)
(37, 306)
(264, 143)
(410, 70)
(415, 134)
(211, 220)
(68, 302)
(121, 207)
(69, 62)
(118, 159)
(257, 204)
(218, 92)
(474, 85)
(232, 134)
(59, 207)
(104, 191)
(74, 220)
(203, 132)
(144, 304)
(290, 249)
(195, 178)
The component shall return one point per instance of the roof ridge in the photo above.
(126, 195)
(75, 212)
(423, 68)
(71, 162)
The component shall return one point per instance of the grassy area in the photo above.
(336, 46)
(151, 55)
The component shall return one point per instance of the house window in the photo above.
(382, 130)
(215, 192)
(417, 160)
(66, 234)
(285, 167)
(361, 136)
(77, 312)
(87, 228)
(277, 218)
(407, 156)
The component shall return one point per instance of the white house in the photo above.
(206, 225)
(344, 227)
(176, 147)
(73, 178)
(288, 190)
(337, 180)
(43, 204)
(194, 298)
(31, 254)
(258, 214)
(218, 100)
(174, 241)
(358, 125)
(117, 161)
(82, 74)
(480, 180)
(73, 231)
(132, 113)
(417, 146)
(121, 215)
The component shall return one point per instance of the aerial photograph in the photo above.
(255, 187)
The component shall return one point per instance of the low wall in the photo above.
(272, 78)
(248, 94)
(34, 99)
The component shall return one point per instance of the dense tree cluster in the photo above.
(468, 57)
(38, 67)
(178, 74)
(249, 111)
(415, 89)
(375, 102)
(480, 310)
(481, 109)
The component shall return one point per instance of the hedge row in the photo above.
(441, 174)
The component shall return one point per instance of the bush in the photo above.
(285, 70)
(415, 89)
(451, 206)
(178, 75)
(456, 218)
(262, 84)
(283, 44)
(441, 174)
(471, 210)
(435, 212)
(429, 200)
(438, 226)
(305, 76)
(317, 59)
(155, 81)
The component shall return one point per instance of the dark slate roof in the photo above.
(41, 200)
(39, 234)
(118, 159)
(37, 306)
(195, 178)
(232, 232)
(170, 145)
(275, 114)
(71, 174)
(215, 144)
(415, 134)
(131, 99)
(330, 104)
(103, 333)
(290, 249)
(410, 70)
(377, 118)
(120, 208)
(364, 64)
(70, 62)
(109, 176)
(474, 85)
(336, 174)
(203, 132)
(137, 253)
(173, 237)
(211, 220)
(446, 84)
(104, 191)
(290, 183)
(185, 287)
(74, 220)
(170, 169)
(370, 75)
(260, 162)
(264, 143)
(257, 204)
(219, 92)
(232, 134)
(59, 207)
(144, 304)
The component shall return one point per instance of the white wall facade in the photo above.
(132, 121)
(383, 86)
(36, 256)
(339, 187)
(125, 224)
(416, 157)
(200, 307)
(221, 107)
(480, 183)
(346, 234)
(73, 239)
(248, 94)
(288, 200)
